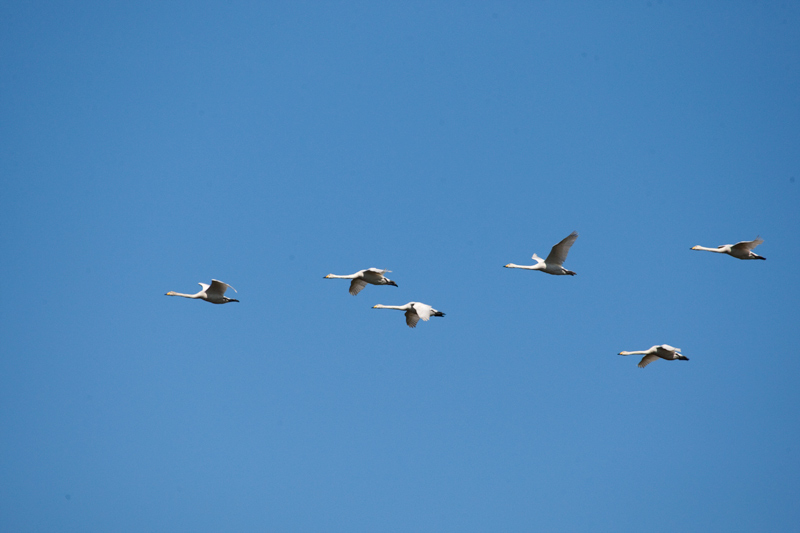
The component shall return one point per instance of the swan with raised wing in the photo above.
(214, 293)
(373, 276)
(553, 263)
(664, 351)
(414, 311)
(740, 250)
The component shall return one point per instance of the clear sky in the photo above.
(148, 146)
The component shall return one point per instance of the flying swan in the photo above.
(552, 265)
(740, 250)
(414, 311)
(214, 293)
(665, 351)
(360, 279)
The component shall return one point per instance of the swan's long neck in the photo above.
(638, 352)
(398, 307)
(173, 293)
(526, 267)
(717, 250)
(334, 276)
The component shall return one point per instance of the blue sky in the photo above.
(148, 147)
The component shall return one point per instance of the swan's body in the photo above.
(373, 276)
(214, 293)
(414, 311)
(553, 263)
(740, 250)
(665, 351)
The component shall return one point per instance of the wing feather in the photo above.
(218, 287)
(412, 318)
(373, 275)
(356, 285)
(746, 246)
(423, 310)
(559, 252)
(647, 359)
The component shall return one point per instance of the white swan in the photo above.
(552, 265)
(214, 293)
(665, 351)
(360, 279)
(414, 311)
(740, 250)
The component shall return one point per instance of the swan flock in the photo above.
(552, 264)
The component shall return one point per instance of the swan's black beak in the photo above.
(683, 358)
(392, 283)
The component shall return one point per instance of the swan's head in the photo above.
(681, 357)
(507, 266)
(392, 283)
(329, 275)
(170, 293)
(696, 247)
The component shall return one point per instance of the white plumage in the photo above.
(664, 351)
(372, 276)
(414, 311)
(214, 293)
(553, 263)
(740, 250)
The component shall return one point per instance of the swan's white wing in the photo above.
(378, 270)
(412, 318)
(373, 275)
(559, 252)
(356, 285)
(746, 246)
(424, 311)
(218, 287)
(647, 359)
(537, 258)
(669, 348)
(222, 283)
(205, 287)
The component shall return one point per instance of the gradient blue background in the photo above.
(149, 146)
